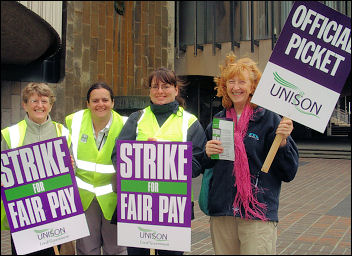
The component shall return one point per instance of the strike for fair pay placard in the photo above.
(308, 66)
(40, 196)
(154, 194)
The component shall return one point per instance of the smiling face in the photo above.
(37, 107)
(239, 89)
(162, 93)
(100, 103)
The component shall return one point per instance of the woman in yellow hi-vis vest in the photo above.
(93, 132)
(37, 100)
(165, 119)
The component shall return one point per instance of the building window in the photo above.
(281, 11)
(186, 22)
(245, 27)
(340, 6)
(201, 19)
(262, 23)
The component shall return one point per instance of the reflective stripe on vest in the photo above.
(185, 119)
(98, 191)
(124, 119)
(94, 167)
(62, 131)
(76, 122)
(14, 132)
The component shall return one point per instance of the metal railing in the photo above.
(340, 117)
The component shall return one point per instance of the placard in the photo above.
(308, 66)
(154, 194)
(40, 196)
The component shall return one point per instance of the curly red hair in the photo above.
(234, 68)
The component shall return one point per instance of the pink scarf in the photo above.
(244, 196)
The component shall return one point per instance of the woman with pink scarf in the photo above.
(243, 201)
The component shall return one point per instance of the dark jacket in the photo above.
(258, 140)
(195, 134)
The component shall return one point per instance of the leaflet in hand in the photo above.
(223, 131)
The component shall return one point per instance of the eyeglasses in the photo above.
(163, 87)
(36, 102)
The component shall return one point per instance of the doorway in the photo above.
(201, 98)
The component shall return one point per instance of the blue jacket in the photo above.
(257, 141)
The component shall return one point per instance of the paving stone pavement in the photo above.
(314, 213)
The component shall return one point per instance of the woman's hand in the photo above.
(213, 147)
(285, 128)
(72, 162)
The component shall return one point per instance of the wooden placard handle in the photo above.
(56, 250)
(273, 150)
(152, 251)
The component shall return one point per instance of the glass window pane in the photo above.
(209, 21)
(201, 22)
(222, 21)
(186, 22)
(237, 20)
(281, 11)
(245, 20)
(286, 7)
(262, 19)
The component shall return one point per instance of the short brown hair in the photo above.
(235, 68)
(169, 77)
(42, 89)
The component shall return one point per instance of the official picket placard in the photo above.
(308, 66)
(40, 196)
(154, 194)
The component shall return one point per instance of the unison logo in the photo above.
(150, 234)
(292, 94)
(46, 233)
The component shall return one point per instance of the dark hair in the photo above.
(99, 85)
(169, 77)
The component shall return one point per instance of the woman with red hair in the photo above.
(243, 201)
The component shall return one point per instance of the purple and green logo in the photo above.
(49, 233)
(151, 234)
(292, 94)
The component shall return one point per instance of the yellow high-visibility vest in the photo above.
(94, 167)
(173, 129)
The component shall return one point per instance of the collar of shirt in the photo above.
(102, 134)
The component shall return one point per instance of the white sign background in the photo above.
(30, 240)
(315, 92)
(178, 238)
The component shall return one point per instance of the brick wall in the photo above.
(118, 49)
(102, 45)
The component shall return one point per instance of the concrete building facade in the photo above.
(121, 42)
